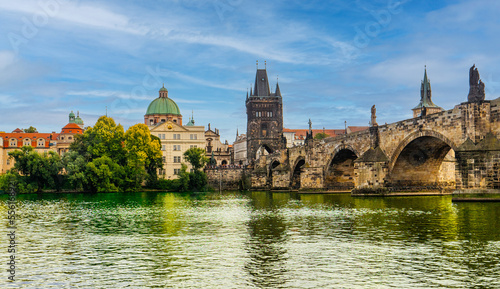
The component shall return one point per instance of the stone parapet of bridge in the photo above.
(455, 149)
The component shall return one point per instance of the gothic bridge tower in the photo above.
(264, 118)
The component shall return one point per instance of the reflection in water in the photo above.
(267, 234)
(253, 240)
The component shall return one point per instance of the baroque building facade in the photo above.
(264, 118)
(41, 142)
(164, 120)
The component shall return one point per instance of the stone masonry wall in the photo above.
(224, 178)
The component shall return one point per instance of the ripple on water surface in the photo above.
(257, 240)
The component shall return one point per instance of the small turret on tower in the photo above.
(426, 106)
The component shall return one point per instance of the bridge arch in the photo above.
(424, 158)
(296, 172)
(339, 169)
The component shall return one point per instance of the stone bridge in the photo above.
(456, 149)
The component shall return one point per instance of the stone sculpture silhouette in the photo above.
(374, 116)
(476, 86)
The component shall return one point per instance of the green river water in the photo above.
(250, 240)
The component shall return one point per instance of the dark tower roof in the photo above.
(261, 87)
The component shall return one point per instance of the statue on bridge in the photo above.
(476, 86)
(373, 121)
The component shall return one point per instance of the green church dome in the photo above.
(163, 105)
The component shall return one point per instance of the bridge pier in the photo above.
(371, 169)
(478, 165)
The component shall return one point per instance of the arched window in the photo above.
(13, 142)
(41, 142)
(26, 142)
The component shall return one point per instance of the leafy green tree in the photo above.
(105, 151)
(31, 129)
(104, 139)
(183, 180)
(143, 154)
(37, 170)
(196, 157)
(75, 166)
(321, 135)
(104, 175)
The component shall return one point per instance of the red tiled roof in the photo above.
(358, 128)
(20, 136)
(72, 128)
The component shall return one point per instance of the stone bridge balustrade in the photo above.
(453, 149)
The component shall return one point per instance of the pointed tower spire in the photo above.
(426, 106)
(277, 92)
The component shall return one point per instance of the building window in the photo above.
(193, 136)
(177, 136)
(177, 159)
(8, 161)
(164, 159)
(27, 142)
(177, 171)
(177, 147)
(41, 142)
(263, 129)
(163, 147)
(270, 114)
(13, 142)
(193, 146)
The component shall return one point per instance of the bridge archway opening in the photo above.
(263, 150)
(274, 164)
(425, 163)
(297, 171)
(340, 171)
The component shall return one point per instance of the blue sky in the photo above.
(334, 59)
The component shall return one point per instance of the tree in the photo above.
(39, 171)
(104, 175)
(75, 165)
(107, 158)
(30, 130)
(143, 153)
(196, 157)
(321, 135)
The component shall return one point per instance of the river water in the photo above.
(251, 240)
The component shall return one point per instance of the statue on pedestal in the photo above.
(476, 86)
(374, 116)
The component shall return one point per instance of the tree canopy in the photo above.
(102, 159)
(321, 135)
(196, 157)
(31, 129)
